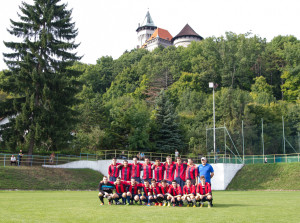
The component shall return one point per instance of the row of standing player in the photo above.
(161, 194)
(169, 171)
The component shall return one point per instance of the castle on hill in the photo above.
(151, 37)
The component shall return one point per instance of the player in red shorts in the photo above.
(175, 194)
(157, 195)
(204, 192)
(189, 192)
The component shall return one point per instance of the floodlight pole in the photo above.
(212, 85)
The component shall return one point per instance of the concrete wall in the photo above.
(224, 173)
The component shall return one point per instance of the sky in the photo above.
(108, 27)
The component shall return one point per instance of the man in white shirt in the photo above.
(13, 160)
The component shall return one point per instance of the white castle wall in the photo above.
(224, 173)
(185, 41)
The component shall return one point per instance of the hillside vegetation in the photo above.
(278, 176)
(38, 178)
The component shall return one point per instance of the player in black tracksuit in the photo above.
(105, 190)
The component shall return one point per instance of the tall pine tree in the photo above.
(41, 115)
(169, 135)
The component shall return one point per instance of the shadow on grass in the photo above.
(220, 205)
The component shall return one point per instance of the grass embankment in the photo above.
(38, 178)
(277, 176)
(83, 206)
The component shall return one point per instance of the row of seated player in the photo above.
(157, 194)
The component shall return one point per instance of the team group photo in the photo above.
(160, 184)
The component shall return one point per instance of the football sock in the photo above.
(116, 200)
(101, 199)
(124, 200)
(128, 199)
(160, 199)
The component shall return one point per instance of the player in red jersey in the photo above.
(133, 191)
(204, 192)
(165, 189)
(157, 195)
(175, 194)
(180, 172)
(159, 171)
(121, 191)
(136, 169)
(147, 192)
(125, 171)
(189, 192)
(113, 170)
(147, 171)
(192, 171)
(170, 170)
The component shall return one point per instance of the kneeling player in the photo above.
(157, 195)
(133, 191)
(204, 192)
(105, 190)
(189, 193)
(165, 188)
(175, 194)
(121, 191)
(147, 192)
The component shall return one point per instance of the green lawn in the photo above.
(38, 178)
(83, 206)
(275, 176)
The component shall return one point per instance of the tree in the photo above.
(169, 135)
(41, 115)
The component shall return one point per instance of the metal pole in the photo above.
(214, 124)
(206, 136)
(299, 141)
(262, 137)
(225, 141)
(283, 135)
(4, 160)
(105, 155)
(243, 142)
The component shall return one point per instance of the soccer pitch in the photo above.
(84, 206)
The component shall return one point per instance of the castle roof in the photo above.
(148, 21)
(187, 31)
(161, 33)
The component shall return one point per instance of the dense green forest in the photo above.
(160, 100)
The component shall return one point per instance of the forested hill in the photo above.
(161, 100)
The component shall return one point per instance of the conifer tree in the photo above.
(41, 115)
(169, 135)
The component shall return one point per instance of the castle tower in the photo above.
(145, 30)
(186, 36)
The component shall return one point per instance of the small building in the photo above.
(160, 37)
(186, 36)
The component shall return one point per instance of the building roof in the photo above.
(161, 33)
(187, 31)
(148, 21)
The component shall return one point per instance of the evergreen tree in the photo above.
(41, 115)
(169, 135)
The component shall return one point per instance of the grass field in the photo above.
(83, 206)
(38, 178)
(273, 176)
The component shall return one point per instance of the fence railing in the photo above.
(38, 160)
